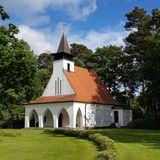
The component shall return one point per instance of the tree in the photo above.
(4, 15)
(18, 69)
(143, 48)
(107, 62)
(45, 69)
(82, 55)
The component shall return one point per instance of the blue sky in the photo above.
(94, 23)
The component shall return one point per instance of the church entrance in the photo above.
(60, 120)
(33, 119)
(79, 119)
(63, 119)
(48, 119)
(116, 117)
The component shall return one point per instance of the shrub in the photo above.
(105, 144)
(10, 123)
(102, 141)
(138, 123)
(107, 155)
(144, 124)
(113, 125)
(9, 133)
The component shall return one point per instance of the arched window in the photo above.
(33, 119)
(63, 119)
(79, 122)
(48, 119)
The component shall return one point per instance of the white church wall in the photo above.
(58, 83)
(124, 116)
(76, 107)
(97, 115)
(48, 119)
(55, 109)
(120, 116)
(65, 65)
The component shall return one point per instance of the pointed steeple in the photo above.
(63, 51)
(63, 46)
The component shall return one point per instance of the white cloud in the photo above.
(82, 9)
(36, 39)
(46, 39)
(94, 39)
(36, 10)
(42, 40)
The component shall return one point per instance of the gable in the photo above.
(58, 83)
(85, 85)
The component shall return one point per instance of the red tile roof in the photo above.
(53, 99)
(87, 86)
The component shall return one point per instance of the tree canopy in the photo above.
(18, 68)
(143, 47)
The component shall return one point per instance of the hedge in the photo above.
(106, 145)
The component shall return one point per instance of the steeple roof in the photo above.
(63, 51)
(63, 46)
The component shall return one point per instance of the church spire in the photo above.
(63, 46)
(63, 51)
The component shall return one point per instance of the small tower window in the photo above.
(68, 67)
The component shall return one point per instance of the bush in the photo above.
(105, 144)
(137, 124)
(9, 133)
(107, 155)
(10, 123)
(102, 141)
(144, 124)
(113, 125)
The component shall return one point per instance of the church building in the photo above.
(74, 97)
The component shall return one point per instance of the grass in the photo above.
(36, 145)
(135, 144)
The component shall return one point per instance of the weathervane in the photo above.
(63, 27)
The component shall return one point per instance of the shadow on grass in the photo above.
(52, 134)
(149, 138)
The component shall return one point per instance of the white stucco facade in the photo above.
(54, 108)
(76, 115)
(124, 116)
(80, 115)
(58, 83)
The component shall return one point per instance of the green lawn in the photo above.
(36, 145)
(135, 144)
